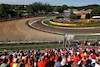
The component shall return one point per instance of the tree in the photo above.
(73, 16)
(39, 7)
(55, 8)
(47, 7)
(96, 11)
(18, 10)
(60, 8)
(88, 16)
(4, 10)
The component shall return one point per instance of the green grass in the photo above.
(28, 24)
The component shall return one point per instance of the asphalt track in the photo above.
(17, 30)
(88, 30)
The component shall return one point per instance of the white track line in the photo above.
(74, 28)
(31, 22)
(44, 23)
(95, 34)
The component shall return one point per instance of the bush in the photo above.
(58, 17)
(96, 11)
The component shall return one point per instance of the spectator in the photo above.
(41, 63)
(97, 63)
(15, 62)
(57, 64)
(47, 60)
(4, 64)
(68, 57)
(63, 63)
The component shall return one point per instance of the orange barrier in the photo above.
(63, 24)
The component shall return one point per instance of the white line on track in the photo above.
(44, 23)
(31, 22)
(74, 28)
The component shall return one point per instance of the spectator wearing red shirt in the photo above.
(75, 59)
(41, 63)
(47, 60)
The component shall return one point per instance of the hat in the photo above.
(42, 58)
(98, 50)
(31, 56)
(85, 54)
(78, 53)
(63, 62)
(93, 61)
(23, 57)
(3, 57)
(15, 60)
(93, 56)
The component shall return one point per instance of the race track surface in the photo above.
(89, 30)
(17, 30)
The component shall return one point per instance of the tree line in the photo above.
(7, 10)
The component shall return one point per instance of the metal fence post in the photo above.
(69, 41)
(64, 40)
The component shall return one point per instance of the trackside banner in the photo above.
(62, 24)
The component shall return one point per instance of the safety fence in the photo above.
(10, 48)
(70, 37)
(88, 37)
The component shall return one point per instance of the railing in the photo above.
(88, 37)
(30, 47)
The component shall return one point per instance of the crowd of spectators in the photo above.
(66, 57)
(87, 43)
